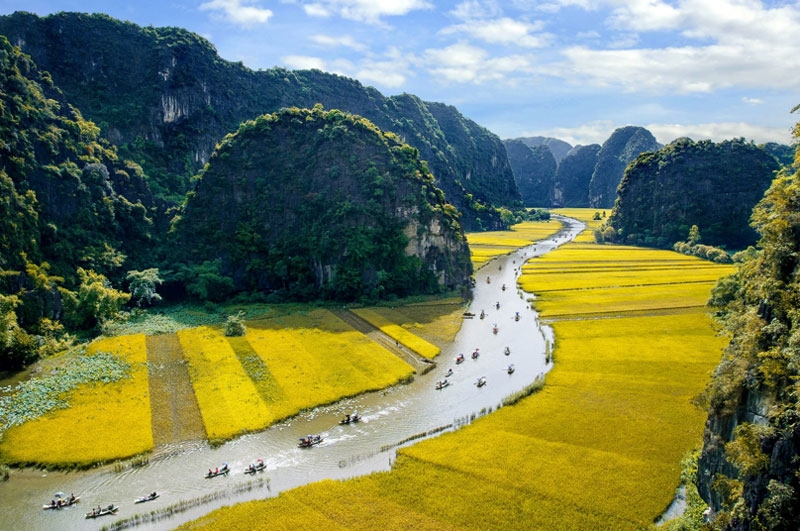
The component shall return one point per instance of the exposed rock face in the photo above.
(165, 97)
(557, 147)
(713, 186)
(534, 170)
(322, 204)
(573, 176)
(624, 145)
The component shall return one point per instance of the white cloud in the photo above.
(235, 12)
(303, 62)
(503, 30)
(599, 131)
(371, 11)
(339, 41)
(752, 101)
(464, 63)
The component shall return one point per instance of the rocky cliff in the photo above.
(624, 145)
(534, 170)
(322, 204)
(573, 176)
(165, 97)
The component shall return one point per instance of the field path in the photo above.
(175, 412)
(420, 364)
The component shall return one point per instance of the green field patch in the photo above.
(267, 386)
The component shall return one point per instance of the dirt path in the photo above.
(420, 364)
(175, 413)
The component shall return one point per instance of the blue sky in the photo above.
(571, 69)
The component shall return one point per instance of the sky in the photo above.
(570, 69)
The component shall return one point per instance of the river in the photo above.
(388, 418)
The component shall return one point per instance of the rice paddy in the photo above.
(286, 363)
(487, 245)
(598, 447)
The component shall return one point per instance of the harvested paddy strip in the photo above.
(175, 414)
(229, 401)
(104, 421)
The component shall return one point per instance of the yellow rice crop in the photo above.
(315, 359)
(486, 245)
(435, 321)
(228, 400)
(598, 448)
(398, 333)
(104, 422)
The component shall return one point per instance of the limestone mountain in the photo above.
(573, 175)
(534, 171)
(321, 204)
(557, 147)
(165, 98)
(712, 185)
(624, 145)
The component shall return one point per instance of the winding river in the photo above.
(389, 418)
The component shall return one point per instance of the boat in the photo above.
(102, 511)
(475, 354)
(507, 351)
(441, 384)
(504, 287)
(59, 502)
(218, 472)
(468, 315)
(350, 419)
(511, 369)
(459, 358)
(516, 316)
(308, 442)
(258, 466)
(483, 314)
(494, 329)
(481, 381)
(150, 497)
(449, 373)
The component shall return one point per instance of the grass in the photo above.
(597, 447)
(487, 245)
(104, 421)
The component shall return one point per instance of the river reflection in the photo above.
(388, 417)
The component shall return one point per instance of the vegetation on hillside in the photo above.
(749, 471)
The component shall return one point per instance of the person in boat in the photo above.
(216, 470)
(347, 418)
(72, 497)
(209, 472)
(497, 305)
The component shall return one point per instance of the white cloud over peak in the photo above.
(238, 12)
(465, 63)
(304, 62)
(505, 30)
(338, 41)
(371, 11)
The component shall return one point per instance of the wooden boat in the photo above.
(504, 287)
(481, 381)
(511, 369)
(516, 316)
(59, 503)
(494, 329)
(259, 466)
(459, 359)
(449, 373)
(350, 419)
(441, 384)
(218, 472)
(468, 315)
(102, 511)
(150, 497)
(308, 442)
(507, 351)
(475, 354)
(483, 314)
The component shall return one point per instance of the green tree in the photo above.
(206, 282)
(142, 286)
(234, 325)
(95, 302)
(694, 235)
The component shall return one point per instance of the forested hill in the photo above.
(711, 185)
(165, 97)
(363, 220)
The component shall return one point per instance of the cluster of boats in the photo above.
(441, 384)
(61, 502)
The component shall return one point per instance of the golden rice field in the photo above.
(104, 421)
(378, 319)
(283, 365)
(599, 447)
(487, 245)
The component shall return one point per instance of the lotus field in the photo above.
(599, 447)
